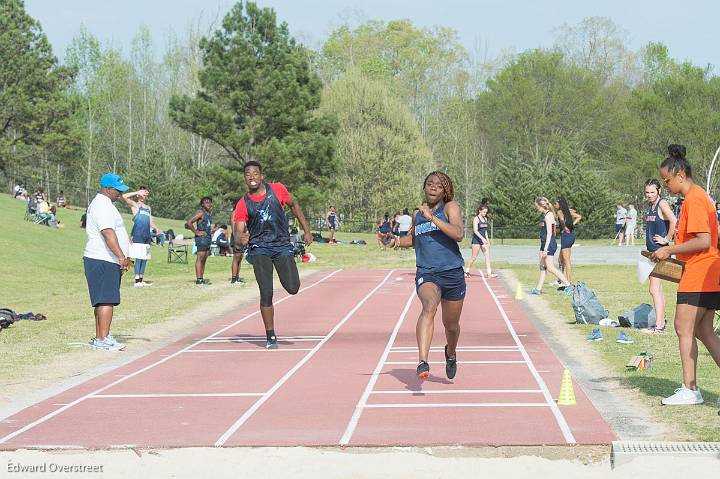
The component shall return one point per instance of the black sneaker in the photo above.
(200, 282)
(423, 370)
(237, 282)
(450, 364)
(272, 343)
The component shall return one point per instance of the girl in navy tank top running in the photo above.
(548, 245)
(659, 229)
(435, 233)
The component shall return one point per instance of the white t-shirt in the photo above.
(404, 223)
(620, 215)
(102, 214)
(632, 217)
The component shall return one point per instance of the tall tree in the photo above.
(31, 87)
(381, 153)
(258, 99)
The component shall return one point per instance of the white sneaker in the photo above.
(557, 283)
(106, 345)
(683, 397)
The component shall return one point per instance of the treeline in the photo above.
(358, 122)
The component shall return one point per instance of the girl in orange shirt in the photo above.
(698, 295)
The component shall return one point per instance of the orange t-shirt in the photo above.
(702, 268)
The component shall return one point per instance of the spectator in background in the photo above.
(83, 220)
(678, 207)
(620, 220)
(331, 222)
(105, 258)
(158, 236)
(20, 193)
(221, 240)
(717, 210)
(140, 234)
(630, 226)
(404, 223)
(39, 194)
(61, 201)
(46, 212)
(396, 224)
(384, 232)
(201, 225)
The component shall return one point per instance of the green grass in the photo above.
(618, 290)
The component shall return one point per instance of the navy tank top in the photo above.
(331, 220)
(543, 235)
(267, 224)
(205, 223)
(654, 225)
(483, 227)
(141, 226)
(385, 227)
(434, 250)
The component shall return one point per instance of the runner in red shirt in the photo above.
(267, 238)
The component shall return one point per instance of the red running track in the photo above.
(344, 374)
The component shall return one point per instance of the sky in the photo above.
(689, 28)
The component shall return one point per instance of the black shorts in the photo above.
(237, 248)
(567, 240)
(709, 300)
(202, 243)
(103, 279)
(451, 283)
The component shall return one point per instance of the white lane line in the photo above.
(345, 439)
(179, 395)
(142, 370)
(461, 391)
(261, 350)
(254, 340)
(459, 362)
(459, 348)
(562, 423)
(258, 338)
(459, 404)
(297, 366)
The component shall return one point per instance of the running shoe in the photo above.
(237, 282)
(535, 291)
(624, 338)
(423, 370)
(106, 345)
(200, 282)
(557, 283)
(450, 364)
(683, 397)
(596, 335)
(272, 343)
(467, 274)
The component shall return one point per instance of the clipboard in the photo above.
(669, 269)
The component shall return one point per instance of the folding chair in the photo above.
(177, 253)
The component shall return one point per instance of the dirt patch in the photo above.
(76, 367)
(622, 407)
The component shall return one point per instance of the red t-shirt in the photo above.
(241, 212)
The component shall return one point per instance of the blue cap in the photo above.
(111, 180)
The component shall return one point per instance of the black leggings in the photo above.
(286, 269)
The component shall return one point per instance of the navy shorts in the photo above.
(619, 227)
(451, 283)
(567, 240)
(478, 239)
(103, 279)
(271, 251)
(202, 243)
(552, 249)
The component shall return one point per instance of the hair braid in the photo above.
(446, 182)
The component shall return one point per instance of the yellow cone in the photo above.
(567, 394)
(519, 296)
